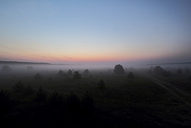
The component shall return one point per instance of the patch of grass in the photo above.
(125, 102)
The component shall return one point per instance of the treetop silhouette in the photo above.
(119, 69)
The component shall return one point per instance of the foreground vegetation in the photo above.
(100, 99)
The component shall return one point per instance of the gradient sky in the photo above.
(68, 31)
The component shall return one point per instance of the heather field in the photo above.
(99, 98)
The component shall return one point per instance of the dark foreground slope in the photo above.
(120, 102)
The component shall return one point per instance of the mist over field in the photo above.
(55, 95)
(95, 64)
(56, 67)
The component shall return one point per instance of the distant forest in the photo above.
(17, 62)
(170, 63)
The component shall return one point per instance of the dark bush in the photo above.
(69, 73)
(41, 95)
(19, 87)
(72, 104)
(88, 104)
(28, 90)
(56, 99)
(5, 103)
(77, 75)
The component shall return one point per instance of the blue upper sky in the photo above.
(95, 31)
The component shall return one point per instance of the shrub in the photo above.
(72, 104)
(69, 73)
(56, 99)
(88, 104)
(5, 103)
(77, 75)
(28, 90)
(41, 95)
(19, 87)
(101, 84)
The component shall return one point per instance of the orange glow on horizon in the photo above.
(78, 57)
(61, 58)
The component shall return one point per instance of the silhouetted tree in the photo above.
(72, 104)
(41, 95)
(86, 72)
(101, 84)
(119, 69)
(60, 73)
(130, 75)
(69, 73)
(88, 104)
(77, 75)
(56, 99)
(28, 90)
(179, 71)
(37, 76)
(5, 103)
(158, 70)
(19, 87)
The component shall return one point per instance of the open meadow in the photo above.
(98, 98)
(95, 63)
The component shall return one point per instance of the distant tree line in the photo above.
(162, 72)
(75, 74)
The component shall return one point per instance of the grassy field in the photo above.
(121, 102)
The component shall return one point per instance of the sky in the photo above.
(95, 31)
